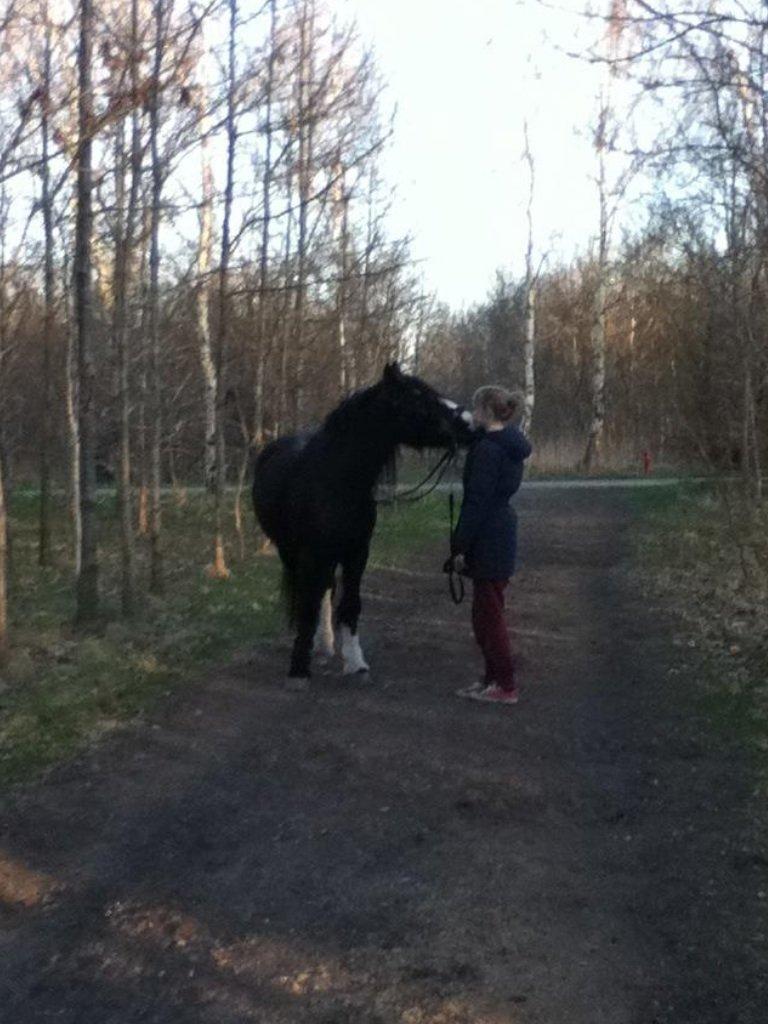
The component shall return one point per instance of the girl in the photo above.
(484, 543)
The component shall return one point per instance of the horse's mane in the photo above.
(346, 418)
(347, 413)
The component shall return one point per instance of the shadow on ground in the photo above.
(386, 853)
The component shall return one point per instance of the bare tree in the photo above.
(529, 345)
(4, 518)
(3, 568)
(266, 227)
(218, 568)
(208, 360)
(599, 307)
(305, 126)
(154, 402)
(49, 286)
(127, 165)
(605, 142)
(88, 578)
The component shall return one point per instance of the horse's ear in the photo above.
(392, 372)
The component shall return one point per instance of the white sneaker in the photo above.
(476, 687)
(495, 695)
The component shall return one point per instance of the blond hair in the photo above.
(504, 406)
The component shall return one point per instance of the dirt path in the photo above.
(390, 854)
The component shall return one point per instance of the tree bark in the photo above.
(142, 512)
(266, 223)
(125, 232)
(4, 521)
(594, 448)
(3, 566)
(256, 439)
(154, 409)
(204, 260)
(46, 205)
(529, 344)
(305, 128)
(342, 217)
(88, 578)
(71, 392)
(218, 568)
(285, 333)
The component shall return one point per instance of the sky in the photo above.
(464, 75)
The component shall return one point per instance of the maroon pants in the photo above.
(491, 632)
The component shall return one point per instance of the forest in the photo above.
(196, 257)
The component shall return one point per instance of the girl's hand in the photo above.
(455, 563)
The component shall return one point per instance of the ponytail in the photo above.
(504, 406)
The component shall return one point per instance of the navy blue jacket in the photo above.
(486, 533)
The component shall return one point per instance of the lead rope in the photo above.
(455, 579)
(413, 494)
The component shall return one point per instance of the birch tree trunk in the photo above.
(593, 451)
(4, 522)
(285, 333)
(204, 260)
(305, 127)
(125, 219)
(604, 140)
(3, 568)
(266, 226)
(258, 426)
(218, 569)
(142, 512)
(634, 404)
(361, 352)
(154, 407)
(529, 344)
(88, 577)
(342, 217)
(49, 287)
(71, 392)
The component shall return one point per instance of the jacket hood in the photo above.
(512, 440)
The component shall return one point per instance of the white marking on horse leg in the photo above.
(449, 404)
(467, 417)
(324, 638)
(352, 653)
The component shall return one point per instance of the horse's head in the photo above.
(419, 416)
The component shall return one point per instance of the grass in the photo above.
(408, 527)
(556, 459)
(705, 552)
(59, 688)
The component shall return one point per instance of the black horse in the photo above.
(314, 497)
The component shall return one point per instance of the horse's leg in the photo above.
(324, 638)
(348, 613)
(314, 579)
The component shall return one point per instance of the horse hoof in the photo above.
(297, 684)
(360, 675)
